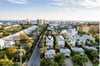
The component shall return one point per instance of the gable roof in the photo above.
(64, 31)
(49, 38)
(65, 50)
(60, 38)
(47, 52)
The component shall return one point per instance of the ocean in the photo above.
(33, 21)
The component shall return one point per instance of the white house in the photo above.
(26, 31)
(8, 43)
(72, 31)
(66, 51)
(63, 32)
(1, 43)
(88, 37)
(50, 28)
(72, 39)
(49, 41)
(4, 43)
(60, 41)
(91, 48)
(50, 53)
(77, 49)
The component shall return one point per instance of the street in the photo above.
(35, 57)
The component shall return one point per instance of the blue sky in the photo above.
(50, 9)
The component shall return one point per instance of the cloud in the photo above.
(77, 3)
(18, 1)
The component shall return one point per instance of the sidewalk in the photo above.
(89, 63)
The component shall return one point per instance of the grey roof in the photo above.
(60, 38)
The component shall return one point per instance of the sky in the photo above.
(50, 9)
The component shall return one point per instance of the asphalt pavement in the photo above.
(35, 57)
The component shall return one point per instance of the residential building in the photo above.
(66, 51)
(50, 53)
(4, 43)
(60, 40)
(49, 41)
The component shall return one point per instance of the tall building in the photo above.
(87, 29)
(40, 21)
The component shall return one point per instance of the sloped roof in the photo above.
(49, 38)
(77, 49)
(88, 37)
(64, 31)
(60, 38)
(2, 42)
(92, 48)
(62, 50)
(48, 52)
(9, 43)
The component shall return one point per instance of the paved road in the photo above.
(69, 62)
(35, 57)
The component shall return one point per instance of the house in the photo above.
(4, 43)
(63, 32)
(50, 53)
(60, 40)
(71, 40)
(26, 31)
(8, 43)
(77, 49)
(51, 28)
(91, 48)
(1, 43)
(49, 41)
(72, 31)
(66, 51)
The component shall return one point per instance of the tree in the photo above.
(64, 35)
(45, 62)
(31, 41)
(5, 62)
(76, 58)
(11, 50)
(5, 33)
(23, 51)
(84, 59)
(15, 64)
(95, 43)
(60, 58)
(57, 47)
(55, 64)
(23, 36)
(17, 43)
(48, 62)
(5, 57)
(29, 44)
(94, 54)
(42, 50)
